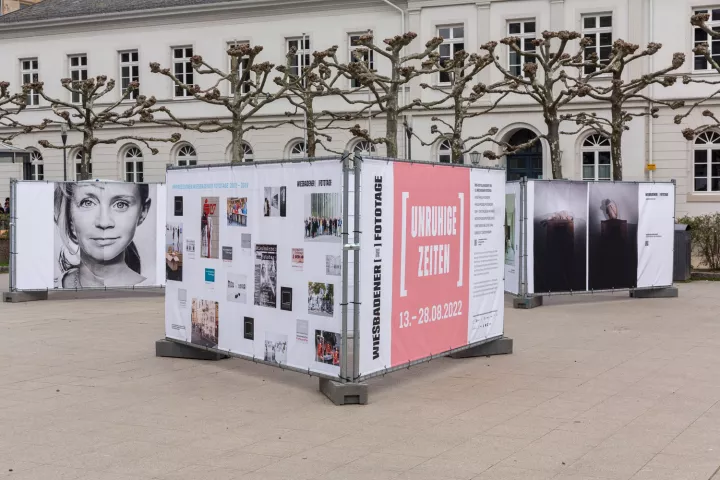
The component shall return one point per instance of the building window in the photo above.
(706, 168)
(302, 54)
(453, 41)
(78, 165)
(297, 149)
(78, 73)
(186, 156)
(36, 169)
(129, 72)
(363, 147)
(359, 53)
(243, 64)
(182, 68)
(525, 31)
(445, 152)
(699, 36)
(133, 165)
(249, 155)
(599, 29)
(31, 73)
(596, 158)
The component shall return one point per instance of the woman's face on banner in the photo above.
(105, 216)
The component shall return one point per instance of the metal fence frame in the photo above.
(525, 254)
(12, 264)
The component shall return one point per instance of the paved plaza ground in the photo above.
(601, 388)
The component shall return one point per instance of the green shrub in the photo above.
(705, 233)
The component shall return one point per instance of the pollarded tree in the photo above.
(618, 92)
(303, 85)
(700, 21)
(385, 89)
(87, 116)
(544, 79)
(10, 106)
(247, 81)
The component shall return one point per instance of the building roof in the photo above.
(59, 9)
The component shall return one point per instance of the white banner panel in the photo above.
(656, 234)
(432, 269)
(512, 237)
(90, 234)
(253, 261)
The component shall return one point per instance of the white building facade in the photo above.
(122, 44)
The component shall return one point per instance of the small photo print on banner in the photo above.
(190, 248)
(560, 226)
(323, 212)
(227, 254)
(302, 331)
(205, 320)
(286, 299)
(105, 235)
(210, 228)
(173, 252)
(210, 276)
(178, 206)
(333, 265)
(298, 259)
(236, 288)
(237, 211)
(249, 328)
(182, 297)
(613, 227)
(276, 347)
(275, 202)
(327, 347)
(321, 299)
(510, 229)
(246, 241)
(266, 275)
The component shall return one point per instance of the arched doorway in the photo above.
(526, 163)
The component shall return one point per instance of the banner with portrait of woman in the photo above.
(89, 234)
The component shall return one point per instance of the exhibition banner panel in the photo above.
(589, 236)
(88, 234)
(512, 237)
(432, 260)
(254, 261)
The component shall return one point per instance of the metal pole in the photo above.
(521, 213)
(64, 164)
(344, 304)
(524, 237)
(13, 242)
(356, 271)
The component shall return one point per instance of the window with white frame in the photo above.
(453, 41)
(78, 72)
(36, 169)
(30, 71)
(78, 165)
(129, 72)
(133, 165)
(598, 27)
(596, 163)
(243, 64)
(700, 36)
(186, 156)
(302, 53)
(363, 147)
(359, 53)
(444, 152)
(182, 68)
(525, 31)
(297, 149)
(706, 168)
(249, 155)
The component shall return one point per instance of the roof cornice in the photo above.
(202, 12)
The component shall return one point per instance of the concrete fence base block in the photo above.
(19, 297)
(501, 346)
(166, 348)
(664, 292)
(527, 302)
(344, 393)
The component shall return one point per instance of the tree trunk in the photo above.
(456, 141)
(238, 152)
(310, 147)
(616, 141)
(553, 139)
(391, 110)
